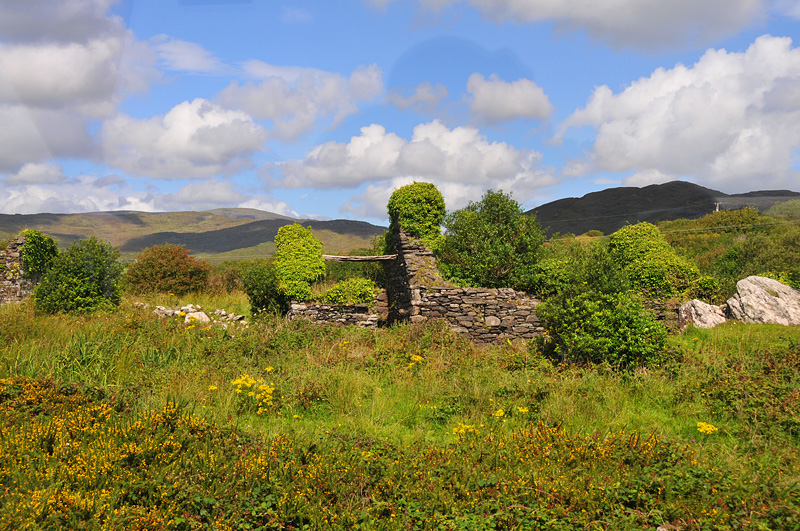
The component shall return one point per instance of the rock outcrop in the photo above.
(765, 301)
(702, 314)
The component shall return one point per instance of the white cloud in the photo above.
(641, 23)
(424, 99)
(36, 173)
(179, 55)
(297, 99)
(62, 64)
(788, 7)
(86, 193)
(495, 100)
(648, 177)
(197, 139)
(461, 162)
(56, 75)
(64, 21)
(728, 119)
(33, 135)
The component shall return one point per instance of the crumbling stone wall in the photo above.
(358, 314)
(416, 292)
(13, 285)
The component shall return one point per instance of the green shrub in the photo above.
(787, 209)
(418, 209)
(298, 261)
(596, 328)
(166, 268)
(652, 265)
(261, 285)
(491, 243)
(85, 277)
(573, 267)
(38, 252)
(351, 291)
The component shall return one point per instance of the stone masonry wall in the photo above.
(358, 315)
(13, 286)
(416, 293)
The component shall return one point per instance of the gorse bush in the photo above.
(261, 285)
(491, 243)
(38, 252)
(418, 209)
(82, 278)
(298, 261)
(351, 291)
(166, 268)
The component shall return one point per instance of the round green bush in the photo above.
(351, 291)
(261, 285)
(652, 265)
(593, 327)
(298, 261)
(38, 252)
(85, 277)
(418, 209)
(166, 268)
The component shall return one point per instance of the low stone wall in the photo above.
(358, 315)
(13, 285)
(483, 315)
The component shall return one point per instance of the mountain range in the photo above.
(232, 233)
(611, 209)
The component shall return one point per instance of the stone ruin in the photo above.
(14, 286)
(416, 292)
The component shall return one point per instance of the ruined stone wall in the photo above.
(13, 285)
(358, 314)
(416, 293)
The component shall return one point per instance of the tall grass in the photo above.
(410, 427)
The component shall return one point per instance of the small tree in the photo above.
(491, 243)
(418, 209)
(298, 261)
(85, 277)
(166, 269)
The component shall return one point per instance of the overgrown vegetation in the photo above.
(166, 268)
(491, 243)
(351, 291)
(298, 261)
(38, 253)
(126, 421)
(84, 277)
(731, 245)
(418, 209)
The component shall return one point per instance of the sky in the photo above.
(320, 109)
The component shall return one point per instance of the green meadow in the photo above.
(122, 420)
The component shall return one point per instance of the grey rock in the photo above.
(492, 321)
(765, 301)
(196, 317)
(702, 314)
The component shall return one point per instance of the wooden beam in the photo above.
(382, 258)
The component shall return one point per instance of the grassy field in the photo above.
(127, 421)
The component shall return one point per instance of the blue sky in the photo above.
(321, 109)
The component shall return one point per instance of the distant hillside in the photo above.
(208, 232)
(611, 209)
